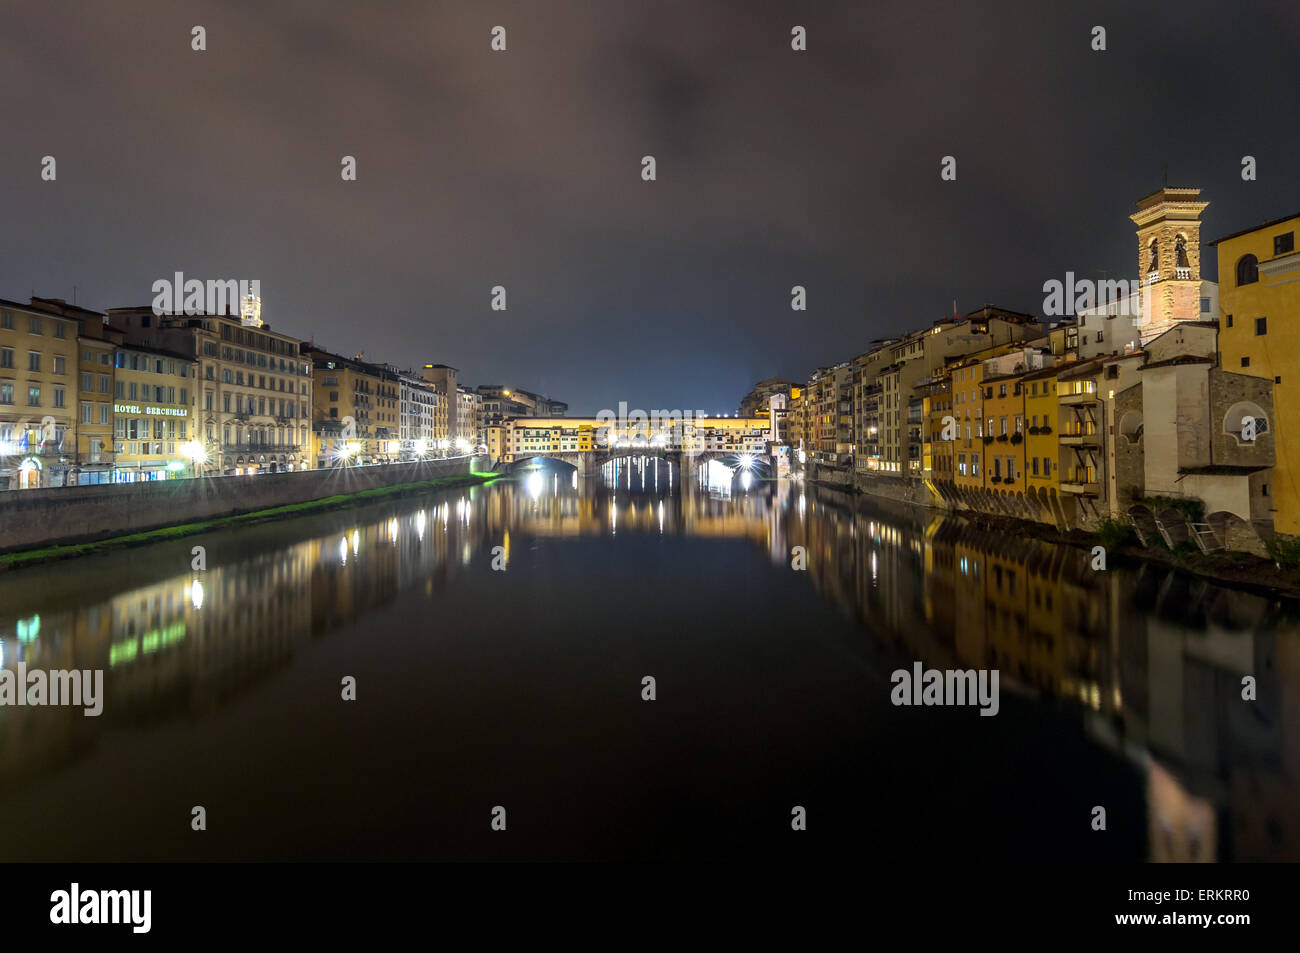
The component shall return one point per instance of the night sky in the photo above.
(522, 169)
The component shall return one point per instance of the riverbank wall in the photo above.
(1236, 555)
(79, 514)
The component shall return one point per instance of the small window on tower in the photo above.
(1261, 326)
(1284, 243)
(1245, 362)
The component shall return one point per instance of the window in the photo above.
(1245, 362)
(6, 393)
(1035, 466)
(1247, 270)
(1261, 326)
(34, 326)
(1100, 336)
(60, 364)
(59, 330)
(33, 395)
(1229, 320)
(59, 397)
(1278, 379)
(34, 361)
(1112, 372)
(7, 320)
(87, 412)
(105, 414)
(1047, 466)
(1283, 243)
(6, 357)
(1205, 306)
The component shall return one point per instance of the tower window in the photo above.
(1245, 362)
(1229, 320)
(1247, 270)
(1261, 326)
(1283, 243)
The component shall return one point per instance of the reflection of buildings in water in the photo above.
(34, 740)
(1160, 658)
(1182, 827)
(191, 642)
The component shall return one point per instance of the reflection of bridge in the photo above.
(588, 462)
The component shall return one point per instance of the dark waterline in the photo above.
(522, 688)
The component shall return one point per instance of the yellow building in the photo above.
(38, 357)
(356, 407)
(153, 415)
(1004, 420)
(533, 436)
(1259, 335)
(968, 409)
(1042, 450)
(92, 450)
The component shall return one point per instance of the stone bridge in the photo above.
(589, 462)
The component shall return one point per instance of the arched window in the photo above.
(1180, 252)
(1247, 270)
(1239, 417)
(1154, 248)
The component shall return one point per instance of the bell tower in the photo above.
(1169, 258)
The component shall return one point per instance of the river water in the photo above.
(521, 688)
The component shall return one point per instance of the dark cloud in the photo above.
(523, 169)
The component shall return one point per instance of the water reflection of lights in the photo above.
(746, 480)
(343, 552)
(194, 592)
(661, 516)
(419, 524)
(356, 542)
(533, 484)
(392, 530)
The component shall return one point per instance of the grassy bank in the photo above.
(30, 557)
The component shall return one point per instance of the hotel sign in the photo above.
(150, 411)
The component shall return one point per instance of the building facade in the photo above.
(38, 388)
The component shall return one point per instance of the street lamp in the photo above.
(197, 454)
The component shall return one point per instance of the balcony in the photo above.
(1183, 274)
(1081, 484)
(1074, 400)
(1084, 438)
